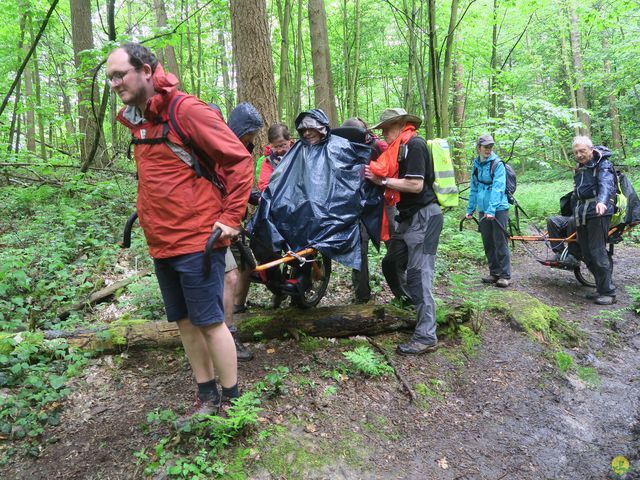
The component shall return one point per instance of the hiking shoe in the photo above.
(503, 282)
(592, 295)
(416, 348)
(605, 300)
(200, 409)
(242, 352)
(490, 279)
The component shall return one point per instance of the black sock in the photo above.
(208, 390)
(231, 392)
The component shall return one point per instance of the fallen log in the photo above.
(103, 294)
(342, 321)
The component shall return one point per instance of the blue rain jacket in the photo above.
(487, 194)
(317, 196)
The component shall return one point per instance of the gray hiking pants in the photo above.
(592, 238)
(409, 266)
(496, 243)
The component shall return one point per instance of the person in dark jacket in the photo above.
(360, 278)
(487, 194)
(595, 191)
(245, 122)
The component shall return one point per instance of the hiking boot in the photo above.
(592, 295)
(503, 282)
(201, 408)
(605, 300)
(490, 279)
(416, 348)
(242, 352)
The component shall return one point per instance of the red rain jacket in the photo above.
(177, 209)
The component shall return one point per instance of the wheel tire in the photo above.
(320, 276)
(583, 275)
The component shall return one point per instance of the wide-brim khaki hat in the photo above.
(397, 114)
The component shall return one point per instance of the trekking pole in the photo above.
(213, 238)
(126, 236)
(464, 219)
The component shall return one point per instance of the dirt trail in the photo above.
(504, 414)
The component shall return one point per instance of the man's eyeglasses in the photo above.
(116, 78)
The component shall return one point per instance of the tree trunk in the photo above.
(224, 66)
(169, 54)
(581, 96)
(567, 74)
(446, 71)
(407, 84)
(322, 78)
(351, 54)
(434, 67)
(494, 63)
(30, 119)
(329, 322)
(37, 85)
(284, 16)
(82, 39)
(459, 157)
(297, 84)
(614, 115)
(14, 113)
(254, 62)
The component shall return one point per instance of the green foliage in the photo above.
(589, 376)
(207, 436)
(364, 360)
(57, 245)
(33, 374)
(634, 293)
(469, 340)
(564, 361)
(274, 382)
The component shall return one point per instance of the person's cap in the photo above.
(391, 115)
(485, 139)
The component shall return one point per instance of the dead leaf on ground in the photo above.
(310, 428)
(443, 464)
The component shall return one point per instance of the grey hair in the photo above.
(582, 140)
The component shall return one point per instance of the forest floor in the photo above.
(504, 413)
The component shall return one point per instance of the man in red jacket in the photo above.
(178, 209)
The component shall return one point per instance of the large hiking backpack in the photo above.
(444, 184)
(511, 180)
(194, 157)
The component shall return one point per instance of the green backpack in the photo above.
(444, 184)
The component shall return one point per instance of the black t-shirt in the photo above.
(416, 164)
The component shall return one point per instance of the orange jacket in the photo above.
(386, 165)
(177, 209)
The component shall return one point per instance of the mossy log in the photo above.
(343, 321)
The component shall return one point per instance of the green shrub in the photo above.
(365, 361)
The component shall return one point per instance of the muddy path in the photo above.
(504, 413)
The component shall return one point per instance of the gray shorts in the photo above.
(229, 261)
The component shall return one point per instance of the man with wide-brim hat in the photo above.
(406, 170)
(397, 115)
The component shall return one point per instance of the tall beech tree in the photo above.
(252, 53)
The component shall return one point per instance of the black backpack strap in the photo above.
(202, 168)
